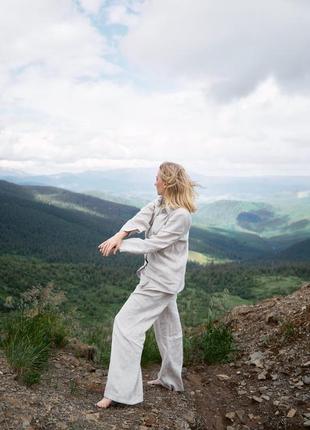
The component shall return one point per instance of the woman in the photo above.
(166, 222)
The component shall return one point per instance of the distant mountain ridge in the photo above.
(140, 182)
(61, 225)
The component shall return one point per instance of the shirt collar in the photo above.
(165, 208)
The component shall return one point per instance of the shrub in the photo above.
(214, 344)
(30, 331)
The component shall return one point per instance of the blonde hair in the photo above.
(179, 188)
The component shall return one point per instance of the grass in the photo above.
(214, 344)
(269, 286)
(288, 329)
(201, 258)
(29, 332)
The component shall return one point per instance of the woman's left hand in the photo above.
(110, 246)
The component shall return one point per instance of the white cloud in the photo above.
(91, 6)
(65, 106)
(234, 45)
(52, 37)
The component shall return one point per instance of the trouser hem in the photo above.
(119, 399)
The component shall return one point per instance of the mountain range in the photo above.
(62, 225)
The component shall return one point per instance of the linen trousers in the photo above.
(145, 307)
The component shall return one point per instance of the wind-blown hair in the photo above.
(179, 190)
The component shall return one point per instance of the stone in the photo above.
(257, 399)
(190, 417)
(306, 379)
(230, 416)
(93, 417)
(26, 420)
(181, 425)
(241, 415)
(291, 413)
(223, 377)
(262, 375)
(255, 358)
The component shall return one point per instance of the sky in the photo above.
(221, 87)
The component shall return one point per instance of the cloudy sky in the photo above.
(221, 86)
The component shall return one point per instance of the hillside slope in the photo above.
(60, 225)
(266, 387)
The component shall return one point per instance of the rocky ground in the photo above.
(267, 386)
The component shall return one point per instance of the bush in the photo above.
(30, 331)
(217, 344)
(214, 344)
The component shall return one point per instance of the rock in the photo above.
(306, 379)
(262, 389)
(223, 377)
(190, 417)
(26, 420)
(149, 420)
(230, 416)
(256, 359)
(307, 423)
(81, 349)
(262, 375)
(241, 415)
(265, 397)
(181, 425)
(257, 399)
(271, 318)
(61, 426)
(291, 413)
(93, 417)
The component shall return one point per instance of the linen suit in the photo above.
(153, 302)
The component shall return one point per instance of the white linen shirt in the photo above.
(165, 246)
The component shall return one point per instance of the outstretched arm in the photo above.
(141, 221)
(177, 226)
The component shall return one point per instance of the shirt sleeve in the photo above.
(141, 221)
(177, 226)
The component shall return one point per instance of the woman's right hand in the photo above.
(112, 244)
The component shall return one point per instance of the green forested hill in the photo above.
(59, 225)
(297, 252)
(290, 216)
(96, 292)
(29, 227)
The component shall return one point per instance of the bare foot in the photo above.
(154, 382)
(104, 403)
